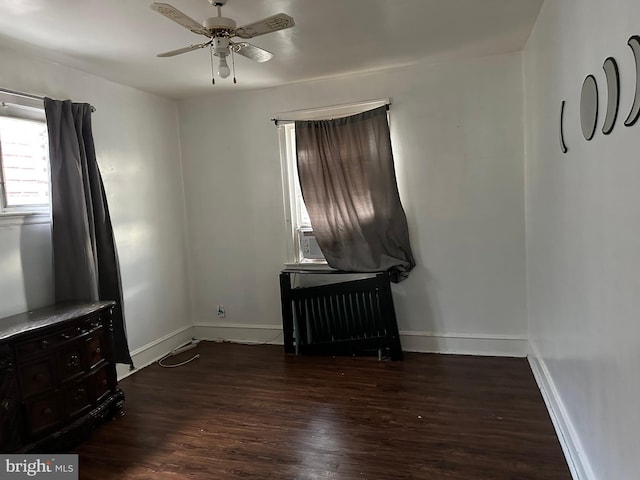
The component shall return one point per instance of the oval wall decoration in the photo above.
(563, 145)
(634, 43)
(612, 74)
(589, 107)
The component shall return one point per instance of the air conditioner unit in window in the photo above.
(309, 248)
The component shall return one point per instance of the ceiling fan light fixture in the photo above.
(223, 68)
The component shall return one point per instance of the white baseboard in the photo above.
(154, 351)
(464, 344)
(571, 445)
(239, 333)
(427, 342)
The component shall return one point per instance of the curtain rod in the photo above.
(278, 121)
(30, 95)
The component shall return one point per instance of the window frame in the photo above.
(285, 124)
(296, 227)
(24, 108)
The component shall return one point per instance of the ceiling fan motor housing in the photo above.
(214, 24)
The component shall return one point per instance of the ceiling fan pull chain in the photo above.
(213, 79)
(233, 65)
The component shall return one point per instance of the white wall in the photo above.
(457, 133)
(583, 235)
(25, 266)
(138, 150)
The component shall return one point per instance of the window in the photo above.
(302, 247)
(24, 160)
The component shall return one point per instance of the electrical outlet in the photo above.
(220, 311)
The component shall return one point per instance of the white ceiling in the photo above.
(119, 39)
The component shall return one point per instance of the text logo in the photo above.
(50, 467)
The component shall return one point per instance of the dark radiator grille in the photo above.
(340, 317)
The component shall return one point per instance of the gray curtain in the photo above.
(349, 187)
(84, 254)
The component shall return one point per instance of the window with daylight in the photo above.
(24, 160)
(302, 247)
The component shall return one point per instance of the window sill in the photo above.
(23, 218)
(308, 266)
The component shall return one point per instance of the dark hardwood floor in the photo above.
(250, 412)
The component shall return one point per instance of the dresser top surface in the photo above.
(48, 316)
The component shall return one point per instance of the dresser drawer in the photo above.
(77, 399)
(44, 414)
(95, 350)
(41, 346)
(5, 356)
(70, 362)
(10, 415)
(50, 342)
(45, 344)
(37, 377)
(101, 382)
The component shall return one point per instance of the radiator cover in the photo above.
(352, 317)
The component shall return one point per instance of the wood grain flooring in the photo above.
(252, 412)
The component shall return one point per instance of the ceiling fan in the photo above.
(221, 30)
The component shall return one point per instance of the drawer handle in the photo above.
(104, 383)
(6, 405)
(47, 411)
(44, 344)
(97, 351)
(73, 362)
(79, 397)
(65, 336)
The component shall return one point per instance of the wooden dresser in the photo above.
(57, 376)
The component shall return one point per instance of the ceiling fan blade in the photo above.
(172, 13)
(276, 22)
(178, 51)
(251, 51)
